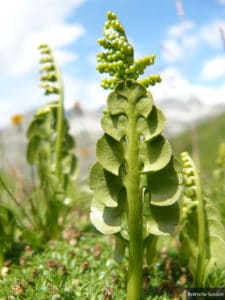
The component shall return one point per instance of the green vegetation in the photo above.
(40, 214)
(7, 225)
(203, 139)
(167, 235)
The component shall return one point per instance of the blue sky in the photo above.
(189, 49)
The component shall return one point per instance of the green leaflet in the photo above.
(160, 220)
(41, 144)
(130, 106)
(105, 185)
(153, 125)
(165, 184)
(155, 154)
(151, 243)
(120, 246)
(110, 154)
(202, 235)
(108, 219)
(114, 126)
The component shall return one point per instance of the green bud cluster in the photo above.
(150, 80)
(48, 70)
(118, 59)
(190, 184)
(44, 49)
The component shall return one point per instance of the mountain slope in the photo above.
(202, 142)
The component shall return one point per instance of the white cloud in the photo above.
(88, 93)
(210, 34)
(20, 98)
(175, 86)
(73, 90)
(95, 96)
(180, 29)
(210, 95)
(187, 38)
(185, 103)
(25, 24)
(29, 96)
(179, 39)
(221, 1)
(214, 68)
(171, 50)
(190, 42)
(64, 57)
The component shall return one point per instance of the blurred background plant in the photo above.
(40, 212)
(216, 188)
(202, 234)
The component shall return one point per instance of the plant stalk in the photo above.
(134, 201)
(199, 280)
(60, 123)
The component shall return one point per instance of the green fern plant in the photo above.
(136, 181)
(202, 235)
(51, 150)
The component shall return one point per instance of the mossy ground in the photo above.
(80, 266)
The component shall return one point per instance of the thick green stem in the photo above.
(135, 223)
(199, 280)
(60, 123)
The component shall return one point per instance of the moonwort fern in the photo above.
(136, 180)
(202, 235)
(51, 148)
